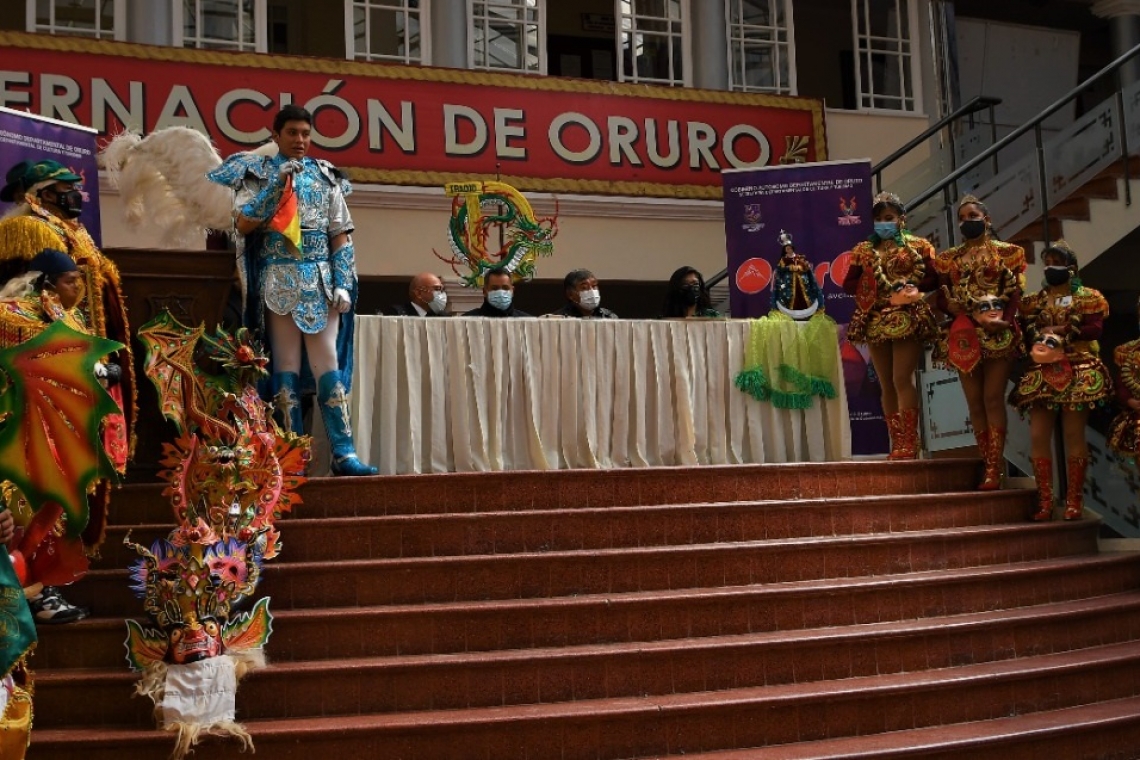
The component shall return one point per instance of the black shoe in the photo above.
(50, 608)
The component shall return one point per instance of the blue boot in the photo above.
(334, 411)
(286, 403)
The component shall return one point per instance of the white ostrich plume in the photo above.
(162, 181)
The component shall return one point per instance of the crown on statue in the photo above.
(784, 239)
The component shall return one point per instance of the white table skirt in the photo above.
(474, 394)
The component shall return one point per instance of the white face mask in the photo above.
(438, 302)
(589, 299)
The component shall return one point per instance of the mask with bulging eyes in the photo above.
(1047, 349)
(988, 309)
(903, 292)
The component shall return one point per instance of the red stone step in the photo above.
(313, 634)
(907, 714)
(435, 535)
(611, 671)
(571, 489)
(593, 571)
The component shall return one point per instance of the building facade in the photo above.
(883, 69)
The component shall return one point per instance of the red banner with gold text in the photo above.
(418, 125)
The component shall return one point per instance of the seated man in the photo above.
(583, 297)
(498, 296)
(427, 298)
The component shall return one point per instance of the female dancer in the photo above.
(888, 276)
(982, 280)
(1124, 434)
(1064, 319)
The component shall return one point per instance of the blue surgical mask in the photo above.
(886, 230)
(500, 299)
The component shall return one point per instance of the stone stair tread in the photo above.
(889, 629)
(962, 738)
(383, 519)
(760, 696)
(813, 542)
(703, 592)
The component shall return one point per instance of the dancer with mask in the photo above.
(889, 275)
(687, 296)
(298, 269)
(583, 297)
(982, 281)
(1124, 433)
(1064, 320)
(498, 296)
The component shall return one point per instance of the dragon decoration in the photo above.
(231, 473)
(480, 210)
(51, 411)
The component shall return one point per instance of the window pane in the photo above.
(884, 18)
(386, 32)
(79, 15)
(43, 12)
(756, 12)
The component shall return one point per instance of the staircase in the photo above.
(1092, 220)
(811, 610)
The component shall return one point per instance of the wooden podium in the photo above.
(195, 286)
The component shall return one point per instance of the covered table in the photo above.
(474, 394)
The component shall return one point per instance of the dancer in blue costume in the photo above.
(299, 283)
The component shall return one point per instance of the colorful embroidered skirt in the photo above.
(1085, 383)
(891, 323)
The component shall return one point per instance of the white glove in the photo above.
(341, 300)
(101, 370)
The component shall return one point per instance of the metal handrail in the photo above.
(980, 103)
(1034, 124)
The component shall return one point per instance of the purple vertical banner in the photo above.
(826, 208)
(28, 137)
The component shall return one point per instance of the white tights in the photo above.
(286, 339)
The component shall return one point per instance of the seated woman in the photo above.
(49, 292)
(687, 296)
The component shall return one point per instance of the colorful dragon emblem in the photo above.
(232, 473)
(481, 211)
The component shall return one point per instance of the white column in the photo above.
(1124, 26)
(450, 27)
(710, 44)
(151, 22)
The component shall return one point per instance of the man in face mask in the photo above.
(427, 298)
(48, 198)
(583, 298)
(498, 296)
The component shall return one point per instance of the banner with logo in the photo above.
(826, 209)
(27, 137)
(417, 125)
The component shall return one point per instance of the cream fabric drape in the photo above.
(475, 394)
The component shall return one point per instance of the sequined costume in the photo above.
(277, 276)
(873, 277)
(969, 274)
(1124, 433)
(1080, 381)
